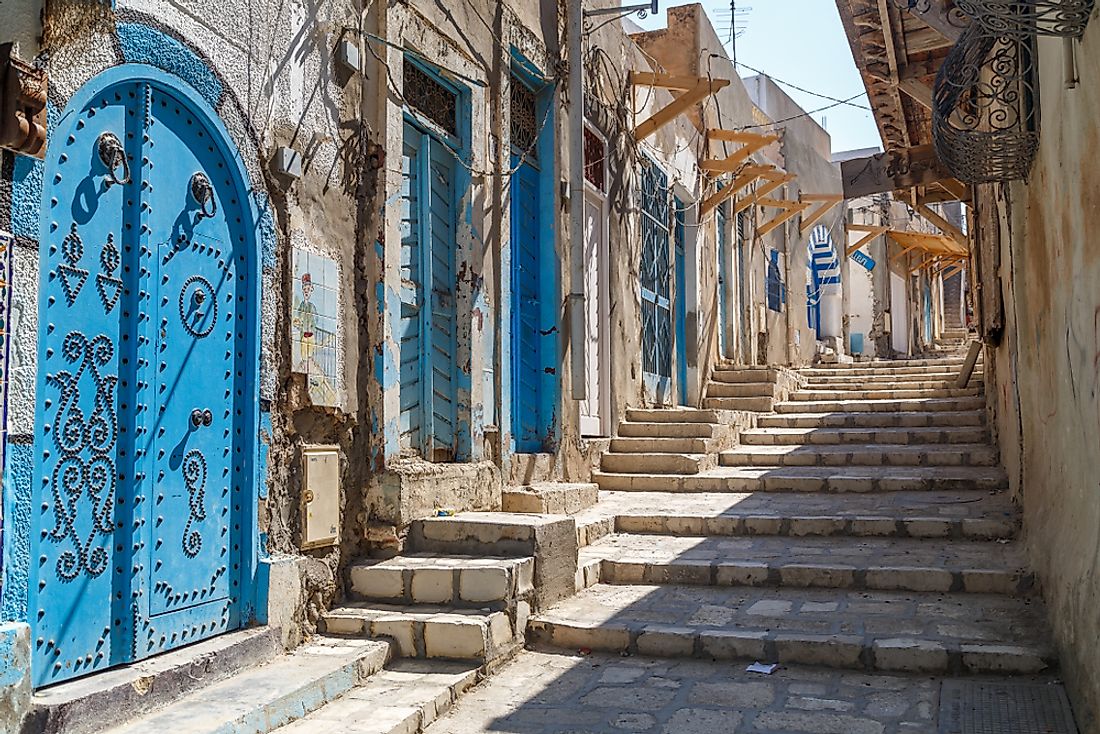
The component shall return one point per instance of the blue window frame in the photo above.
(655, 285)
(773, 283)
(679, 237)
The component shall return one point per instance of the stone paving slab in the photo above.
(961, 514)
(811, 479)
(885, 631)
(908, 564)
(543, 693)
(404, 698)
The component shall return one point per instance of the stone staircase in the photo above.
(864, 525)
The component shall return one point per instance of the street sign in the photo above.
(864, 260)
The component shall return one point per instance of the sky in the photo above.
(801, 42)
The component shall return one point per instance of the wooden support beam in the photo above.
(954, 270)
(791, 209)
(763, 191)
(664, 81)
(747, 175)
(924, 263)
(945, 226)
(903, 253)
(917, 89)
(895, 169)
(871, 232)
(826, 203)
(955, 187)
(691, 96)
(934, 13)
(750, 143)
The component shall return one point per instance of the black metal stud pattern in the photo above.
(75, 477)
(194, 477)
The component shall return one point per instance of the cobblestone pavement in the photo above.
(541, 693)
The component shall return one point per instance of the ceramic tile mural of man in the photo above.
(313, 324)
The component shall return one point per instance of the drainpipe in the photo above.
(576, 201)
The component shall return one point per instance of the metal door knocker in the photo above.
(113, 155)
(201, 417)
(203, 193)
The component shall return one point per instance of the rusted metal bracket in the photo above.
(22, 105)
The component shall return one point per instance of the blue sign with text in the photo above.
(864, 260)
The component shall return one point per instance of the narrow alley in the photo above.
(549, 367)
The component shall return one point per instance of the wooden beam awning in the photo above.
(870, 231)
(749, 142)
(825, 203)
(746, 175)
(694, 89)
(790, 209)
(933, 244)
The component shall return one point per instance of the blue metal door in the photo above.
(723, 282)
(532, 404)
(679, 234)
(146, 449)
(655, 286)
(427, 327)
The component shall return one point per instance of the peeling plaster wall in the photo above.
(1045, 382)
(268, 72)
(806, 149)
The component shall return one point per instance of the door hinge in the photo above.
(22, 105)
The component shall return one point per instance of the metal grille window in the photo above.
(525, 124)
(430, 98)
(773, 283)
(595, 153)
(656, 306)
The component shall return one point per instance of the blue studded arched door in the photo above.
(146, 356)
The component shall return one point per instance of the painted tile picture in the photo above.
(314, 333)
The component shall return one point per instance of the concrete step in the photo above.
(811, 479)
(888, 384)
(848, 436)
(264, 698)
(883, 564)
(405, 698)
(854, 630)
(874, 419)
(428, 578)
(449, 633)
(550, 539)
(872, 368)
(810, 395)
(631, 429)
(862, 455)
(660, 445)
(726, 373)
(741, 389)
(550, 498)
(962, 514)
(754, 405)
(657, 463)
(673, 415)
(135, 690)
(919, 405)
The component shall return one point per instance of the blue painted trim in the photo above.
(18, 483)
(257, 230)
(142, 44)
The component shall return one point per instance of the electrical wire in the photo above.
(803, 89)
